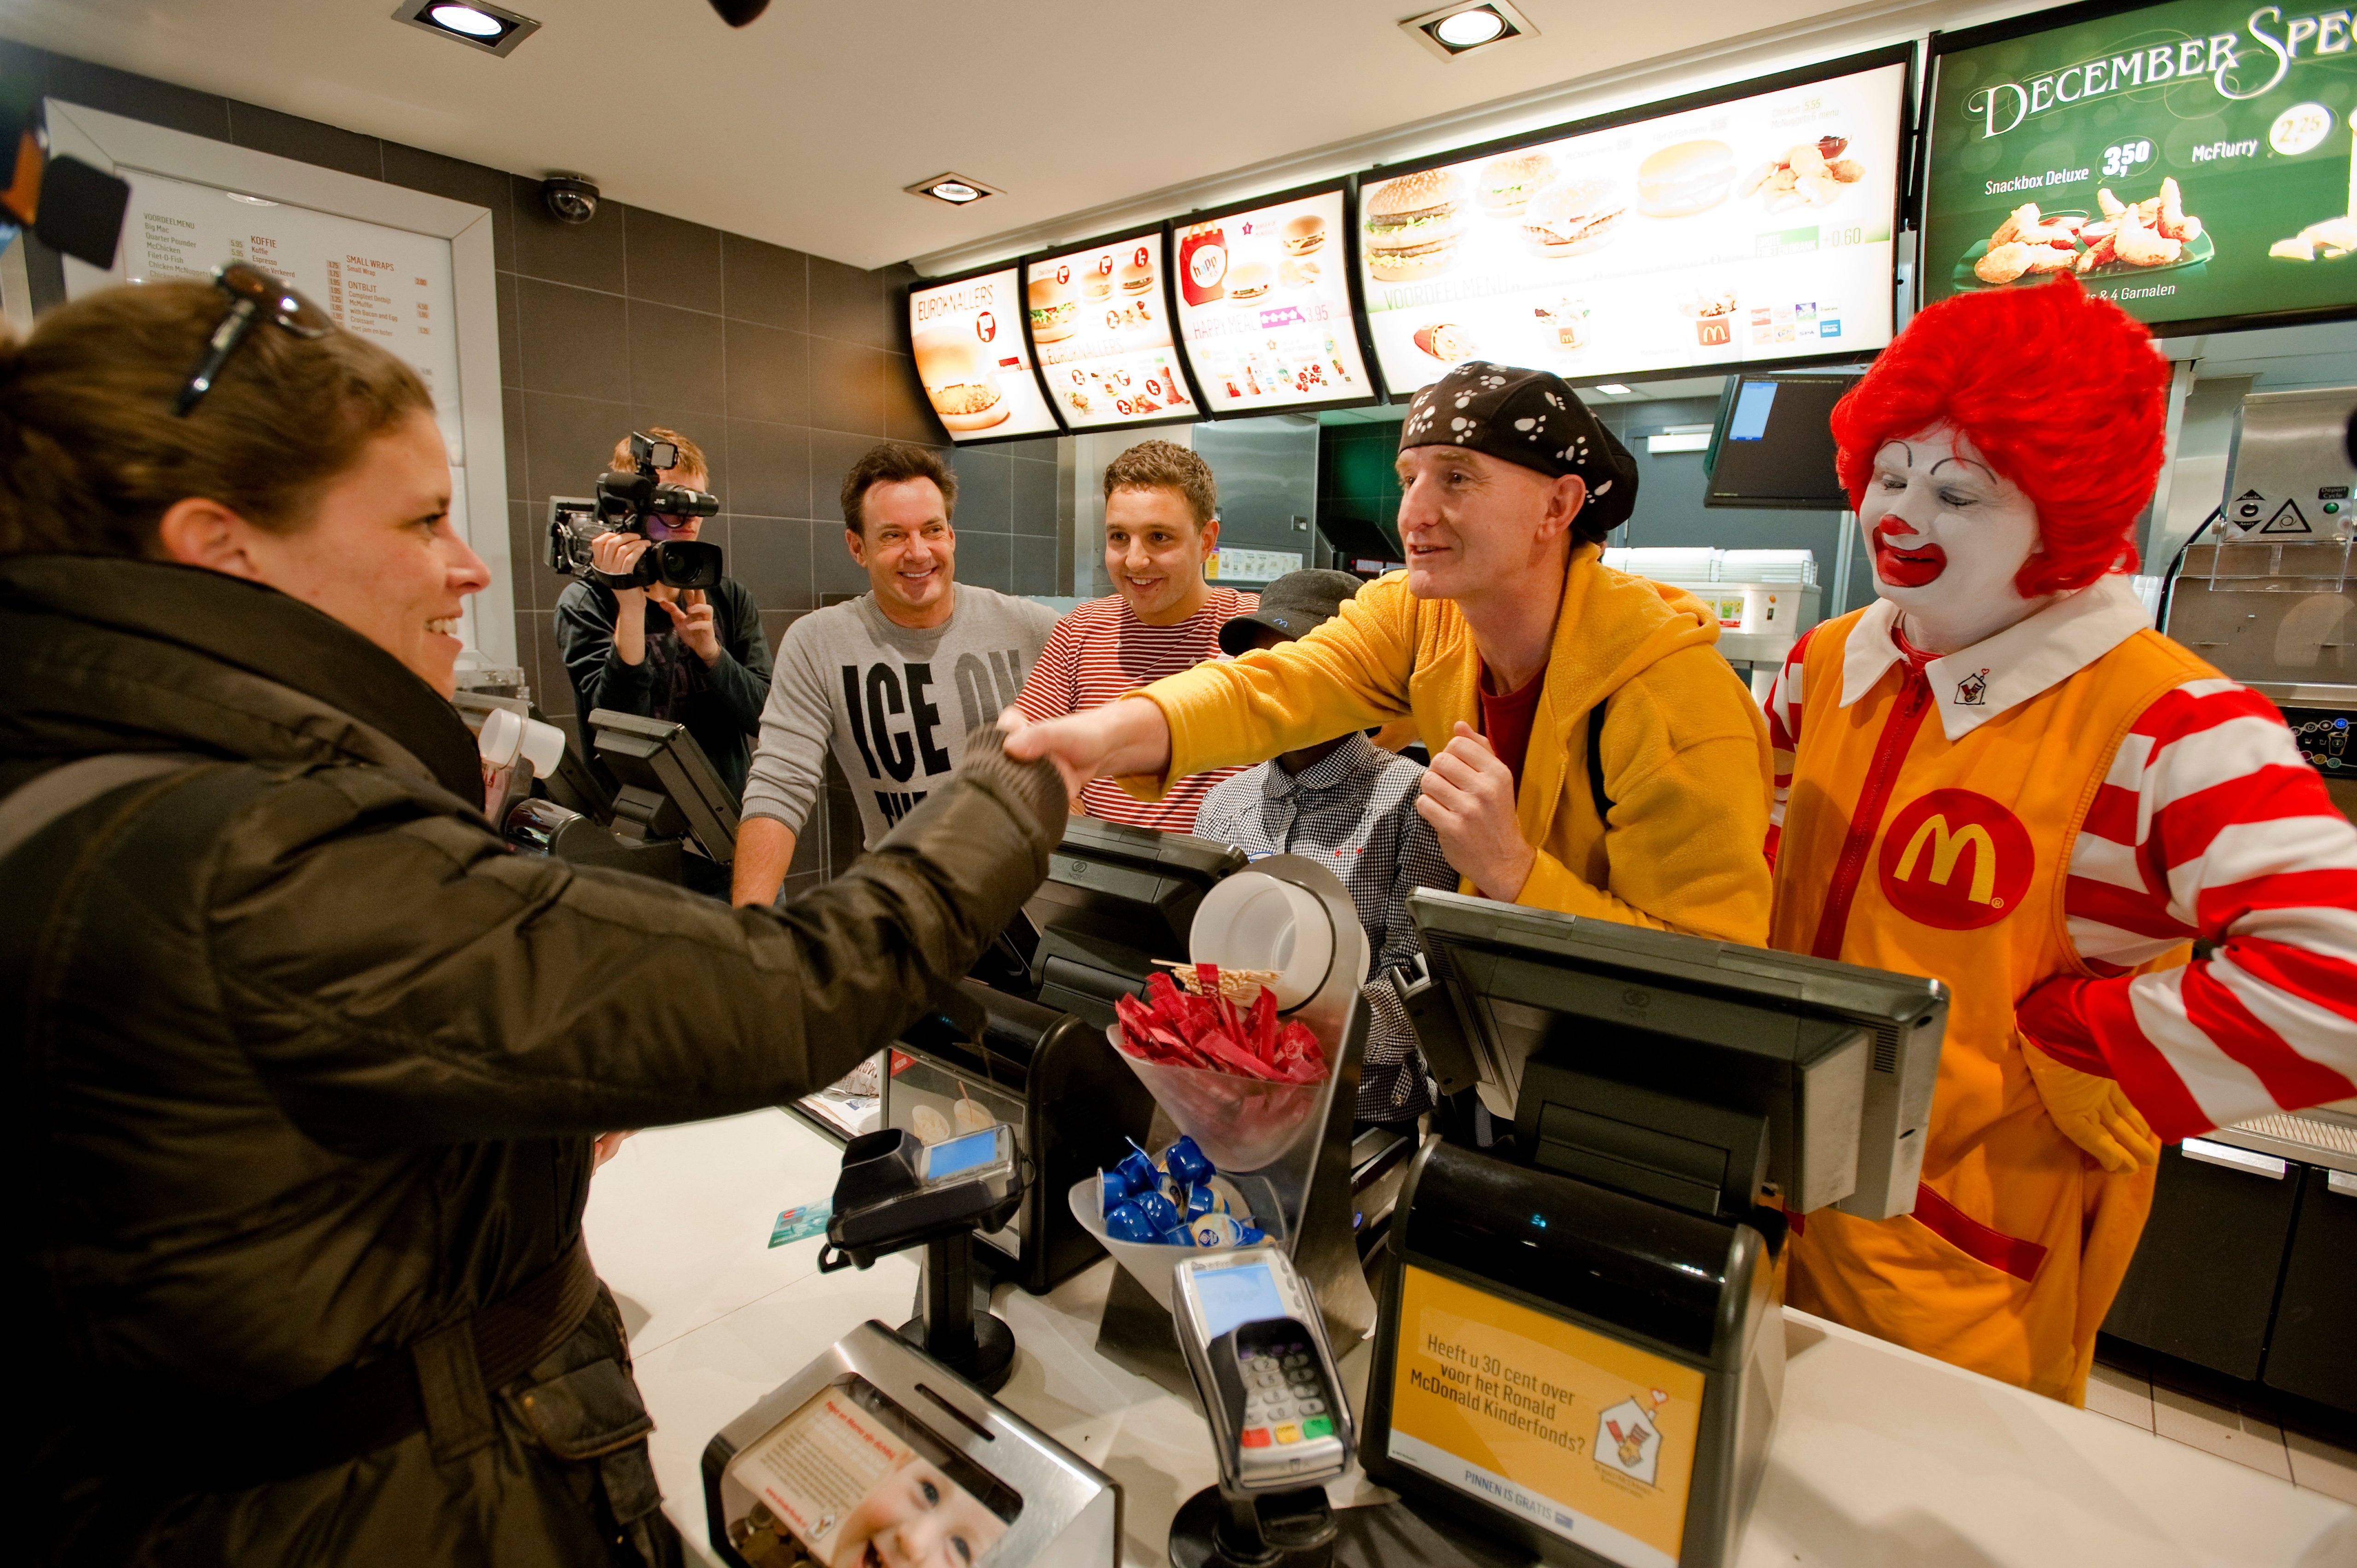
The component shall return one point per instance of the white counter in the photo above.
(1880, 1455)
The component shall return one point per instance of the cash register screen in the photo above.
(1583, 1435)
(852, 1477)
(959, 1155)
(1243, 1295)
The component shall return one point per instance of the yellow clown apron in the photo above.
(1904, 851)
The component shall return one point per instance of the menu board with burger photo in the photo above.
(1265, 306)
(1754, 224)
(1101, 326)
(2190, 162)
(967, 338)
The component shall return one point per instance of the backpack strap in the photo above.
(1595, 764)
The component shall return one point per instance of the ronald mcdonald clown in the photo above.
(2000, 775)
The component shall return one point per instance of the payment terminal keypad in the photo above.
(1286, 1401)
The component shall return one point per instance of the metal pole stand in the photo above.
(1264, 1529)
(978, 1346)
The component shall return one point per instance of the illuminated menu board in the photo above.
(2191, 162)
(1753, 226)
(1100, 326)
(967, 338)
(1263, 295)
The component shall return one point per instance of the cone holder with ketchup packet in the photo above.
(1252, 1050)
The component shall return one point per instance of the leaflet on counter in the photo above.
(1753, 230)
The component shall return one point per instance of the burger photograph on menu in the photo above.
(1137, 277)
(1303, 234)
(1054, 311)
(1685, 177)
(960, 380)
(1509, 183)
(1414, 224)
(1247, 283)
(1573, 216)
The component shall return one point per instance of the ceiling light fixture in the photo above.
(1613, 389)
(1466, 25)
(476, 24)
(956, 189)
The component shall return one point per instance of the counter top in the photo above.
(1880, 1456)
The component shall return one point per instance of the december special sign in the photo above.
(2190, 162)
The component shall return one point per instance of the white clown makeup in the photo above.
(1947, 536)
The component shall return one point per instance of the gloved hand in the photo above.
(2092, 1112)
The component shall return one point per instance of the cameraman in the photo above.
(701, 661)
(305, 1063)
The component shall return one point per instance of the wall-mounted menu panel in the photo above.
(1748, 225)
(1265, 306)
(2191, 162)
(967, 337)
(390, 286)
(1101, 326)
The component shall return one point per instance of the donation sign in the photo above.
(839, 1483)
(2190, 162)
(390, 286)
(967, 338)
(1265, 306)
(1754, 228)
(1584, 1436)
(1101, 326)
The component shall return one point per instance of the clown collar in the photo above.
(1975, 684)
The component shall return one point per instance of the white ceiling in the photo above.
(803, 128)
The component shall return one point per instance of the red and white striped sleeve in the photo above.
(1784, 733)
(1052, 688)
(2210, 824)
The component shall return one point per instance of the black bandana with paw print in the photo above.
(1534, 419)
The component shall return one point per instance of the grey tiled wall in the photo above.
(784, 367)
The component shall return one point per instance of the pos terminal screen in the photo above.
(1231, 1297)
(959, 1155)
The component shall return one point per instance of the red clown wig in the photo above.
(2062, 394)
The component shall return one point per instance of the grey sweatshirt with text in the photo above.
(896, 704)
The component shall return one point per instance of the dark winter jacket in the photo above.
(304, 1065)
(720, 704)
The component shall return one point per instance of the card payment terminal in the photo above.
(1256, 1345)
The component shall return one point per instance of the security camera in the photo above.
(569, 197)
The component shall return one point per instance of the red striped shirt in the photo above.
(1101, 652)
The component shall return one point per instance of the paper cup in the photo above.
(1253, 920)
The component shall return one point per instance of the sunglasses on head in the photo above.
(254, 295)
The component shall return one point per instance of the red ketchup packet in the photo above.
(1175, 1027)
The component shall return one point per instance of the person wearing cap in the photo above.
(1596, 755)
(1349, 805)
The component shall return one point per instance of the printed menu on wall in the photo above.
(390, 285)
(1754, 228)
(2190, 162)
(967, 338)
(1265, 306)
(1100, 326)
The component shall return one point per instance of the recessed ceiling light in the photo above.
(478, 24)
(1613, 389)
(954, 189)
(1466, 25)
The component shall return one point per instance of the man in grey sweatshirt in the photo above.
(894, 680)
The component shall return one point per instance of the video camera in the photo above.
(624, 504)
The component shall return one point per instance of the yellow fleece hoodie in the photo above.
(1685, 748)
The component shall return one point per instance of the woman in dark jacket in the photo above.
(306, 1063)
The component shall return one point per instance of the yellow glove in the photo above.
(2091, 1113)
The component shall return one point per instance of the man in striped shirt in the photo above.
(1162, 523)
(2000, 775)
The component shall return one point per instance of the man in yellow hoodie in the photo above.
(1596, 755)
